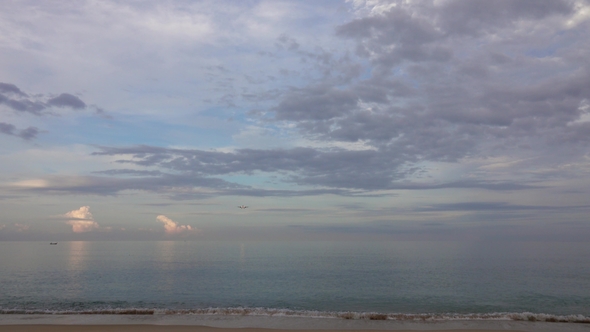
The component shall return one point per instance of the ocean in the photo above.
(377, 280)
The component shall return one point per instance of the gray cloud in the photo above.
(419, 31)
(343, 171)
(25, 105)
(21, 102)
(411, 36)
(306, 166)
(482, 184)
(11, 88)
(496, 206)
(176, 187)
(315, 103)
(287, 210)
(17, 100)
(131, 172)
(171, 186)
(26, 134)
(191, 174)
(431, 82)
(477, 17)
(67, 100)
(451, 80)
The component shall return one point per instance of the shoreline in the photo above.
(216, 323)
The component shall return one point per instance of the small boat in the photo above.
(52, 243)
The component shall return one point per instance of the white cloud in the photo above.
(371, 7)
(15, 227)
(173, 227)
(81, 226)
(582, 14)
(83, 213)
(21, 227)
(81, 220)
(34, 183)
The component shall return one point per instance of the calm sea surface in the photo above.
(310, 278)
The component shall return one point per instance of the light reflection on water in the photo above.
(77, 252)
(410, 277)
(166, 252)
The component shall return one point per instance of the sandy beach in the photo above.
(217, 323)
(172, 328)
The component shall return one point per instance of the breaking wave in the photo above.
(239, 311)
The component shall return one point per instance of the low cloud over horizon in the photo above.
(81, 220)
(172, 227)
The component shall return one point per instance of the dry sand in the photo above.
(172, 328)
(217, 323)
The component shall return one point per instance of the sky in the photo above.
(359, 119)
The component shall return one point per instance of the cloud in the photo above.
(16, 227)
(171, 227)
(26, 134)
(178, 187)
(67, 100)
(497, 207)
(444, 81)
(11, 88)
(315, 103)
(81, 226)
(338, 169)
(193, 174)
(17, 100)
(21, 227)
(83, 213)
(23, 105)
(422, 31)
(131, 172)
(417, 84)
(81, 220)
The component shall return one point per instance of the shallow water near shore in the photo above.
(350, 280)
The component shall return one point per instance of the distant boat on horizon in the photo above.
(52, 243)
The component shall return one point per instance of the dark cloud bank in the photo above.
(338, 171)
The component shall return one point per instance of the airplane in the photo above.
(242, 206)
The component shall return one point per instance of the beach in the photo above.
(278, 166)
(156, 328)
(217, 323)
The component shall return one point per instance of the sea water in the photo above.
(354, 280)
